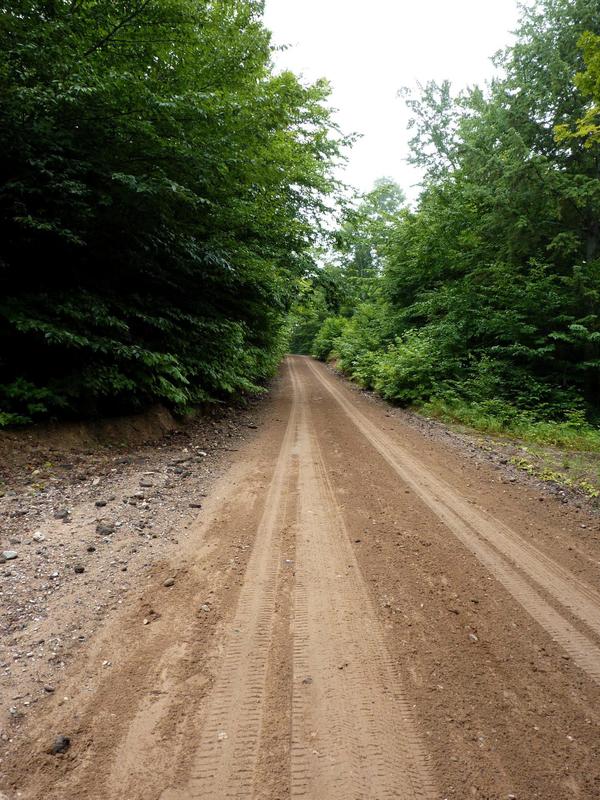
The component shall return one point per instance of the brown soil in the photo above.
(359, 611)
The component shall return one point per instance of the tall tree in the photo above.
(161, 188)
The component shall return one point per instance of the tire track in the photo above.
(353, 732)
(501, 550)
(229, 746)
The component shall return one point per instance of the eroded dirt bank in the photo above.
(358, 611)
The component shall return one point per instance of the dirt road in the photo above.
(363, 613)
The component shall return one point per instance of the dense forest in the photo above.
(166, 196)
(482, 303)
(161, 189)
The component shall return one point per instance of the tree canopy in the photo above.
(488, 295)
(160, 191)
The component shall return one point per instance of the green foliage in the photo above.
(587, 127)
(160, 191)
(332, 328)
(484, 301)
(497, 417)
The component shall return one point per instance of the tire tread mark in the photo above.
(353, 732)
(229, 745)
(502, 551)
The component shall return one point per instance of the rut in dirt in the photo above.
(352, 729)
(519, 566)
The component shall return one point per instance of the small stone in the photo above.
(90, 548)
(473, 637)
(62, 513)
(195, 505)
(78, 569)
(169, 582)
(60, 745)
(9, 555)
(307, 680)
(100, 503)
(38, 536)
(105, 528)
(205, 607)
(48, 688)
(146, 484)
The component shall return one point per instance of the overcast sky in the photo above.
(368, 49)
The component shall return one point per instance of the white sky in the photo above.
(368, 49)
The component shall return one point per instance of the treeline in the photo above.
(160, 190)
(483, 303)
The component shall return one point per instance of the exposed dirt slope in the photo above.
(360, 612)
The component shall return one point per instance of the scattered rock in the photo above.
(48, 688)
(62, 513)
(79, 569)
(105, 528)
(90, 548)
(146, 484)
(60, 745)
(195, 505)
(9, 555)
(100, 503)
(169, 582)
(473, 637)
(38, 536)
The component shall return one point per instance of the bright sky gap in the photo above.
(370, 50)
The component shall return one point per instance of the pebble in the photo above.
(62, 513)
(473, 637)
(78, 569)
(146, 484)
(9, 555)
(195, 505)
(100, 503)
(91, 549)
(48, 688)
(105, 528)
(169, 582)
(38, 536)
(61, 745)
